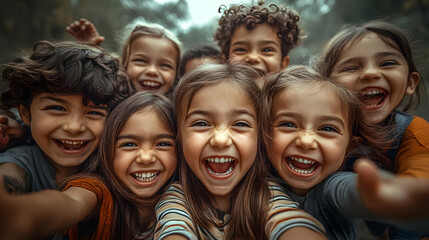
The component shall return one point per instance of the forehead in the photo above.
(221, 96)
(261, 33)
(146, 119)
(308, 95)
(369, 43)
(154, 45)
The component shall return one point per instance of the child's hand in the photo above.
(392, 196)
(84, 31)
(9, 129)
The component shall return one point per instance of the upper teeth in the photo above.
(150, 83)
(72, 142)
(371, 93)
(305, 161)
(220, 160)
(145, 175)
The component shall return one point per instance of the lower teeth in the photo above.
(147, 179)
(302, 171)
(222, 174)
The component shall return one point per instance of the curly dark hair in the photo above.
(285, 19)
(65, 68)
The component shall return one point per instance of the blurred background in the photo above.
(24, 22)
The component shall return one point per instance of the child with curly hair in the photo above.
(261, 36)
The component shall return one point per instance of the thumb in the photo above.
(368, 180)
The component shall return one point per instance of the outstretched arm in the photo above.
(42, 214)
(393, 197)
(85, 32)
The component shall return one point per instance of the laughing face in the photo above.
(66, 130)
(145, 153)
(219, 136)
(260, 48)
(152, 64)
(378, 72)
(310, 135)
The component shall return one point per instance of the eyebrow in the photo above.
(140, 138)
(63, 101)
(53, 99)
(98, 107)
(320, 118)
(379, 54)
(210, 114)
(263, 42)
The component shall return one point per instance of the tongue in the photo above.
(301, 165)
(70, 146)
(219, 167)
(373, 99)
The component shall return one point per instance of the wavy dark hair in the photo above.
(284, 19)
(251, 195)
(66, 68)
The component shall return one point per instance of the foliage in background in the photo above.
(24, 22)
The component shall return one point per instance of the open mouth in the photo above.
(373, 98)
(150, 85)
(146, 177)
(71, 145)
(220, 166)
(301, 166)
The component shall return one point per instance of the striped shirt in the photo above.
(173, 217)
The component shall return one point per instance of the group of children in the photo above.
(229, 144)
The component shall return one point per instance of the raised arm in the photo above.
(85, 32)
(44, 213)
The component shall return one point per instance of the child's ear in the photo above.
(25, 114)
(412, 83)
(285, 62)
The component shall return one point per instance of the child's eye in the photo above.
(286, 124)
(242, 124)
(268, 49)
(168, 66)
(97, 113)
(329, 129)
(239, 50)
(349, 69)
(127, 145)
(388, 63)
(55, 108)
(200, 123)
(139, 60)
(164, 144)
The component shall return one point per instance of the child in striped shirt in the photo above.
(224, 191)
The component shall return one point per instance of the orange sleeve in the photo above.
(106, 210)
(413, 156)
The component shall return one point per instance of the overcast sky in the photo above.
(202, 11)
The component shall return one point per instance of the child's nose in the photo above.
(74, 124)
(252, 58)
(152, 70)
(145, 156)
(221, 138)
(370, 72)
(306, 140)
